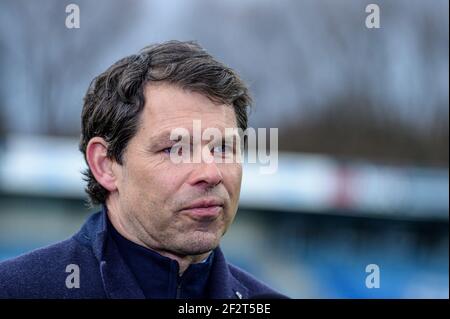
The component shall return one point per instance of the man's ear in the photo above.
(100, 164)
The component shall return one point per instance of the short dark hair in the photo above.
(115, 99)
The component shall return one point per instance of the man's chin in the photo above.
(199, 244)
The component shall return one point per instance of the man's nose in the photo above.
(206, 175)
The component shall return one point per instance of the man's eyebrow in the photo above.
(162, 139)
(159, 139)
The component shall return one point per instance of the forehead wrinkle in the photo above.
(187, 121)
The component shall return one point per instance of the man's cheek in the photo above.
(233, 183)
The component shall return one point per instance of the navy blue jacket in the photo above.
(102, 271)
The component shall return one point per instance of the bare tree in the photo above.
(332, 85)
(52, 61)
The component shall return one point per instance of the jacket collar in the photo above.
(223, 285)
(120, 283)
(158, 275)
(118, 280)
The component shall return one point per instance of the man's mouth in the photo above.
(204, 209)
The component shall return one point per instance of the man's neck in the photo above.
(183, 260)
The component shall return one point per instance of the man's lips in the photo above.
(204, 209)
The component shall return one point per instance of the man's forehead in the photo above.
(163, 99)
(168, 107)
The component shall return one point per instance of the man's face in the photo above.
(160, 200)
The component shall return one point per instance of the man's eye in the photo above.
(219, 149)
(224, 148)
(175, 148)
(167, 150)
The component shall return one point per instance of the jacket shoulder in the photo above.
(256, 288)
(42, 273)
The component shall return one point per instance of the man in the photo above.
(159, 230)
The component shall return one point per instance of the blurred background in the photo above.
(363, 128)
